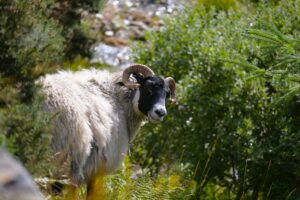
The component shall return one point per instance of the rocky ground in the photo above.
(122, 22)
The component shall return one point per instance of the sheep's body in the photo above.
(95, 121)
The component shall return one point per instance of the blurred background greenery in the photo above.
(235, 131)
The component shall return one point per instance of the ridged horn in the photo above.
(136, 68)
(172, 86)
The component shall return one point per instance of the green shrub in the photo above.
(171, 185)
(219, 4)
(35, 36)
(68, 14)
(31, 44)
(237, 144)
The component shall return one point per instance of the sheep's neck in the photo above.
(134, 123)
(133, 120)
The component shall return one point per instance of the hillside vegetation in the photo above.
(235, 130)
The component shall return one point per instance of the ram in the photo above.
(98, 114)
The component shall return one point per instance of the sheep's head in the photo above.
(151, 91)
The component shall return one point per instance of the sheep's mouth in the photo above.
(154, 120)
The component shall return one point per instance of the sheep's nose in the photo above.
(161, 112)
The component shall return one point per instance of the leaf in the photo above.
(244, 64)
(295, 78)
(292, 92)
(264, 36)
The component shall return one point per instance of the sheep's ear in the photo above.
(172, 86)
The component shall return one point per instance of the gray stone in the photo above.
(15, 181)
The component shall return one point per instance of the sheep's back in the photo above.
(82, 112)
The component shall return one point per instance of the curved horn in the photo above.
(136, 68)
(172, 86)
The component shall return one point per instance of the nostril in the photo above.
(161, 112)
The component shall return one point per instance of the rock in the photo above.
(124, 21)
(115, 41)
(125, 34)
(15, 181)
(117, 57)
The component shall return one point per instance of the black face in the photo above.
(153, 94)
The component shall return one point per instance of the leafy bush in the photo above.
(224, 126)
(35, 37)
(130, 184)
(219, 4)
(30, 45)
(278, 63)
(68, 14)
(226, 133)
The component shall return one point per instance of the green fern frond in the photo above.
(246, 65)
(292, 92)
(254, 77)
(294, 78)
(278, 72)
(288, 60)
(271, 28)
(264, 36)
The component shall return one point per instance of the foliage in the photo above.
(132, 182)
(68, 14)
(224, 125)
(235, 130)
(29, 42)
(35, 37)
(278, 62)
(219, 4)
(139, 184)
